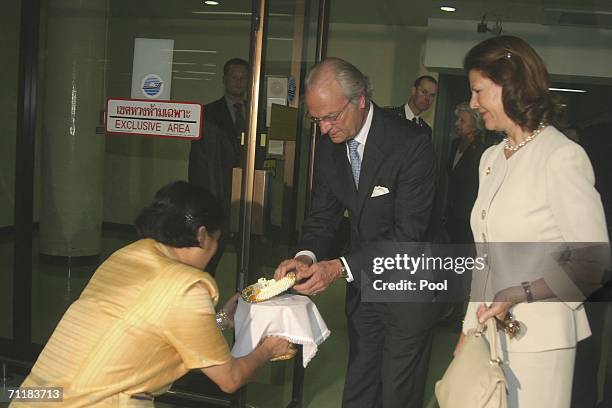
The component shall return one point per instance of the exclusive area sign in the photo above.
(154, 118)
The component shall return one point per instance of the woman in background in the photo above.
(465, 154)
(536, 190)
(147, 315)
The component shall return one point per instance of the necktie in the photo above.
(238, 118)
(355, 160)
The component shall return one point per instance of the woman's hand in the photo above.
(230, 308)
(503, 301)
(278, 347)
(497, 309)
(459, 345)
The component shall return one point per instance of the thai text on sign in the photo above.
(154, 118)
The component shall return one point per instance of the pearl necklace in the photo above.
(528, 139)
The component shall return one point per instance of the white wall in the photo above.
(392, 56)
(567, 51)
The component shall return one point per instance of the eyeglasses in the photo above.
(331, 117)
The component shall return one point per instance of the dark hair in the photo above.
(512, 64)
(422, 78)
(235, 61)
(178, 210)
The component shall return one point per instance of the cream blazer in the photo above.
(540, 198)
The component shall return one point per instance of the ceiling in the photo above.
(416, 12)
(592, 13)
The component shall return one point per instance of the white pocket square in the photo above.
(379, 190)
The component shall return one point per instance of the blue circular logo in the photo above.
(152, 85)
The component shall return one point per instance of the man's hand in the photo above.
(318, 277)
(300, 263)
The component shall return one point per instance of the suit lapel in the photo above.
(372, 159)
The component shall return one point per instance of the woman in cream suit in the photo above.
(535, 200)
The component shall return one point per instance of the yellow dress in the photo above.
(143, 321)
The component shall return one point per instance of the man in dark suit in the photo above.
(378, 168)
(229, 111)
(213, 157)
(422, 97)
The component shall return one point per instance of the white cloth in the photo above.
(292, 317)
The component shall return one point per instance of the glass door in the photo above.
(276, 166)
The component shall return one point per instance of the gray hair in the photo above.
(465, 107)
(352, 81)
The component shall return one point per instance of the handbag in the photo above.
(474, 379)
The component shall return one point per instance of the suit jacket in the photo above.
(395, 157)
(462, 185)
(218, 113)
(538, 201)
(401, 112)
(211, 160)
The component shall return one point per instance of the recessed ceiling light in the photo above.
(448, 8)
(567, 90)
(211, 2)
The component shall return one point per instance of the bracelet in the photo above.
(222, 320)
(527, 288)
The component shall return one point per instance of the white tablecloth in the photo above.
(292, 317)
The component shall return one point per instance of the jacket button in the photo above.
(484, 213)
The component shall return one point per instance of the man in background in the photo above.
(213, 157)
(422, 97)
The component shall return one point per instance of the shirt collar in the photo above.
(409, 113)
(362, 135)
(230, 100)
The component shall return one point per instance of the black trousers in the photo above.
(388, 361)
